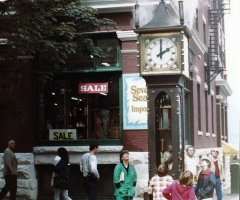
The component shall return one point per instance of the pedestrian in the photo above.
(88, 166)
(159, 182)
(10, 172)
(190, 163)
(206, 181)
(216, 168)
(181, 190)
(124, 178)
(61, 169)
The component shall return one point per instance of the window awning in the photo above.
(227, 149)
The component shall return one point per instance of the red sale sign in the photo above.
(92, 88)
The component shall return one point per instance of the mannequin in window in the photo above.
(104, 116)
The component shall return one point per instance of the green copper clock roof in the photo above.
(161, 19)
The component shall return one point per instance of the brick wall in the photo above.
(136, 140)
(123, 20)
(17, 120)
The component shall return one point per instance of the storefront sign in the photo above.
(62, 134)
(92, 88)
(134, 102)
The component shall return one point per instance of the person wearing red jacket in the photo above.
(181, 190)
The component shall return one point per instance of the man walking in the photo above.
(10, 172)
(88, 166)
(216, 169)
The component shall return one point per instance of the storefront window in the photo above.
(78, 107)
(110, 59)
(109, 48)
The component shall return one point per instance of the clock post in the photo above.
(163, 63)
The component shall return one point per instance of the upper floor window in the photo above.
(111, 59)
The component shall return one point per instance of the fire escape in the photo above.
(216, 57)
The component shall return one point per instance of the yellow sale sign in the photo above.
(62, 134)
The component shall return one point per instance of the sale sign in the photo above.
(92, 88)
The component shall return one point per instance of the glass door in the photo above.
(163, 130)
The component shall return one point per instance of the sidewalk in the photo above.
(227, 195)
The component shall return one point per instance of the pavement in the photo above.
(227, 195)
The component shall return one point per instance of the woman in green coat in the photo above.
(124, 178)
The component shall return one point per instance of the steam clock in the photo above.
(163, 63)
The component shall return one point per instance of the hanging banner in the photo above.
(92, 88)
(134, 102)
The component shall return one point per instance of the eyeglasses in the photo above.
(214, 151)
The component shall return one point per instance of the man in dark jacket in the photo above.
(206, 181)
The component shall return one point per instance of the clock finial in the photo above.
(181, 14)
(137, 15)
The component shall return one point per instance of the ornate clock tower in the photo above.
(164, 64)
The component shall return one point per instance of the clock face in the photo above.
(161, 53)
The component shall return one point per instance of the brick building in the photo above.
(153, 110)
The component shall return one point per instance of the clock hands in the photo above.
(163, 52)
(160, 54)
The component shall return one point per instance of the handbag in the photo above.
(90, 175)
(60, 183)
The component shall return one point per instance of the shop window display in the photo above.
(67, 114)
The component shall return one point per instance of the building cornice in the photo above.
(196, 44)
(219, 97)
(194, 69)
(126, 35)
(114, 6)
(224, 86)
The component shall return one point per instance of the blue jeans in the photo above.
(91, 186)
(218, 188)
(124, 198)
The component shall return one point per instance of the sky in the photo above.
(232, 40)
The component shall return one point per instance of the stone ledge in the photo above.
(74, 149)
(102, 157)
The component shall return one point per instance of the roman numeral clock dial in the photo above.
(161, 54)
